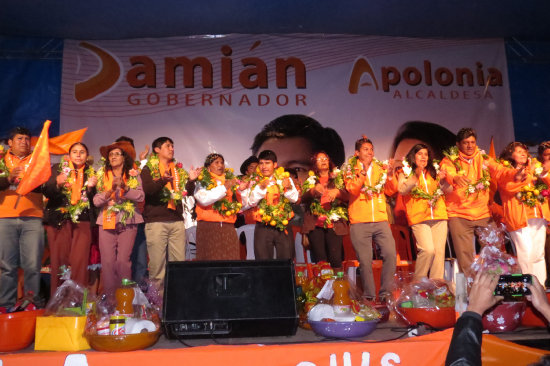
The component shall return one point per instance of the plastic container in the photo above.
(124, 297)
(341, 301)
(436, 317)
(343, 329)
(123, 343)
(17, 329)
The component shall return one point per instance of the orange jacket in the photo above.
(30, 205)
(208, 213)
(418, 209)
(362, 206)
(460, 203)
(517, 213)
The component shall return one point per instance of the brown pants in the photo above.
(362, 236)
(69, 245)
(463, 234)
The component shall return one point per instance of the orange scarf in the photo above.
(13, 162)
(174, 185)
(109, 217)
(476, 163)
(78, 181)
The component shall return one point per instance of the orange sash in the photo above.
(13, 163)
(109, 217)
(174, 185)
(78, 181)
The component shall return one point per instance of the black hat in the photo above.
(247, 162)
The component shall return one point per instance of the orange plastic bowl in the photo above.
(436, 317)
(17, 329)
(123, 342)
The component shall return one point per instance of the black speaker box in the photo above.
(230, 299)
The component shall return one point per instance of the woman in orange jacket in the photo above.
(422, 186)
(218, 201)
(523, 187)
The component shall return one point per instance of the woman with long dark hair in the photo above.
(325, 220)
(119, 189)
(523, 188)
(422, 186)
(69, 214)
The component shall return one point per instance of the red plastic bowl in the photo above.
(503, 317)
(17, 329)
(436, 317)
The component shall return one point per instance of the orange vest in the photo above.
(419, 210)
(30, 205)
(362, 207)
(516, 213)
(208, 213)
(473, 206)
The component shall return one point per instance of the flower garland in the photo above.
(277, 215)
(223, 206)
(4, 171)
(530, 196)
(418, 193)
(181, 179)
(336, 210)
(74, 211)
(482, 183)
(369, 190)
(127, 208)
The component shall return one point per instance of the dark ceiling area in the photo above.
(121, 19)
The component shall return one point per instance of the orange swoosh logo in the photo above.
(103, 80)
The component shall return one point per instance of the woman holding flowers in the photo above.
(119, 190)
(69, 214)
(218, 201)
(523, 187)
(422, 186)
(325, 220)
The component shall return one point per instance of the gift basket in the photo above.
(127, 321)
(62, 326)
(507, 315)
(425, 301)
(339, 311)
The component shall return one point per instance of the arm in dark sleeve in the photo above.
(150, 186)
(4, 183)
(50, 188)
(465, 347)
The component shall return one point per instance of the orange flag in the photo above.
(60, 145)
(38, 170)
(492, 149)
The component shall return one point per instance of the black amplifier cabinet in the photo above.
(230, 299)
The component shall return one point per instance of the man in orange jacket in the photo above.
(21, 231)
(469, 171)
(368, 180)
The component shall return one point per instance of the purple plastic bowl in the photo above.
(343, 329)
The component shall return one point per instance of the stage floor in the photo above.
(387, 331)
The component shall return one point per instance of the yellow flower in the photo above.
(210, 186)
(461, 172)
(227, 213)
(505, 163)
(1, 147)
(285, 222)
(261, 211)
(132, 183)
(536, 192)
(280, 170)
(286, 174)
(311, 173)
(231, 170)
(273, 223)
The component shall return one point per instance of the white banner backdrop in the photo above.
(215, 93)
